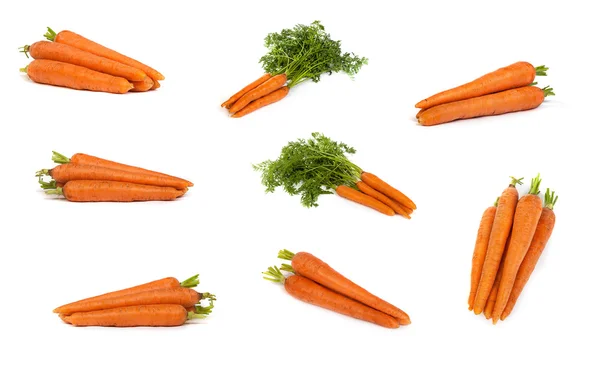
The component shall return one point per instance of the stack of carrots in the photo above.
(508, 89)
(313, 281)
(85, 178)
(162, 303)
(72, 61)
(511, 239)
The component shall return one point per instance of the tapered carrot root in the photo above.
(142, 86)
(363, 199)
(113, 191)
(75, 77)
(270, 98)
(481, 245)
(269, 86)
(132, 316)
(491, 302)
(397, 207)
(381, 186)
(227, 104)
(156, 85)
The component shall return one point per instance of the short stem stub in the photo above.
(59, 158)
(535, 185)
(57, 191)
(285, 254)
(548, 91)
(550, 199)
(287, 268)
(192, 281)
(541, 70)
(50, 35)
(25, 49)
(516, 181)
(273, 274)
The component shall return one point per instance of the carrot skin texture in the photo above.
(114, 191)
(271, 98)
(363, 199)
(227, 104)
(513, 100)
(527, 215)
(142, 86)
(269, 86)
(397, 207)
(75, 77)
(513, 76)
(132, 316)
(489, 305)
(538, 243)
(313, 268)
(80, 42)
(381, 186)
(481, 245)
(71, 55)
(310, 292)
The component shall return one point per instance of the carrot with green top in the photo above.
(227, 104)
(114, 191)
(481, 245)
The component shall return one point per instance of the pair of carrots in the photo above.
(508, 89)
(313, 281)
(165, 302)
(72, 61)
(511, 238)
(266, 90)
(86, 178)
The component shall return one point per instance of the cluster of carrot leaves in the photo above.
(305, 52)
(310, 168)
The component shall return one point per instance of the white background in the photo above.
(229, 231)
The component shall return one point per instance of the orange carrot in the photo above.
(481, 244)
(164, 283)
(75, 77)
(227, 104)
(363, 199)
(397, 207)
(538, 243)
(310, 292)
(527, 216)
(513, 76)
(501, 227)
(114, 191)
(513, 100)
(269, 86)
(142, 86)
(381, 186)
(86, 159)
(156, 85)
(311, 267)
(270, 98)
(489, 305)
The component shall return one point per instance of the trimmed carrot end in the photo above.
(420, 104)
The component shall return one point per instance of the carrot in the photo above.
(513, 100)
(164, 283)
(71, 55)
(113, 191)
(310, 292)
(142, 86)
(269, 86)
(74, 77)
(363, 199)
(311, 267)
(76, 172)
(381, 186)
(80, 42)
(527, 216)
(398, 208)
(155, 86)
(538, 243)
(227, 104)
(86, 159)
(270, 98)
(481, 245)
(513, 76)
(501, 228)
(489, 305)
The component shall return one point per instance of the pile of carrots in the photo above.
(511, 238)
(72, 61)
(508, 89)
(85, 178)
(313, 281)
(162, 303)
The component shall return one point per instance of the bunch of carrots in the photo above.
(511, 238)
(162, 303)
(85, 178)
(319, 166)
(313, 281)
(508, 89)
(72, 61)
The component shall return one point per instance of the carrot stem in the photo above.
(24, 70)
(192, 281)
(550, 199)
(515, 181)
(57, 191)
(548, 91)
(285, 254)
(541, 70)
(50, 35)
(273, 274)
(25, 49)
(47, 185)
(288, 268)
(60, 158)
(535, 185)
(43, 172)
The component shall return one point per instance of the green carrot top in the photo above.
(535, 185)
(516, 181)
(550, 199)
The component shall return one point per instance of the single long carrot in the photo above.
(313, 268)
(268, 99)
(227, 104)
(114, 191)
(269, 86)
(513, 76)
(311, 292)
(527, 216)
(142, 86)
(164, 283)
(80, 42)
(501, 228)
(481, 245)
(86, 159)
(71, 55)
(75, 77)
(381, 186)
(543, 232)
(363, 199)
(508, 101)
(489, 305)
(396, 206)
